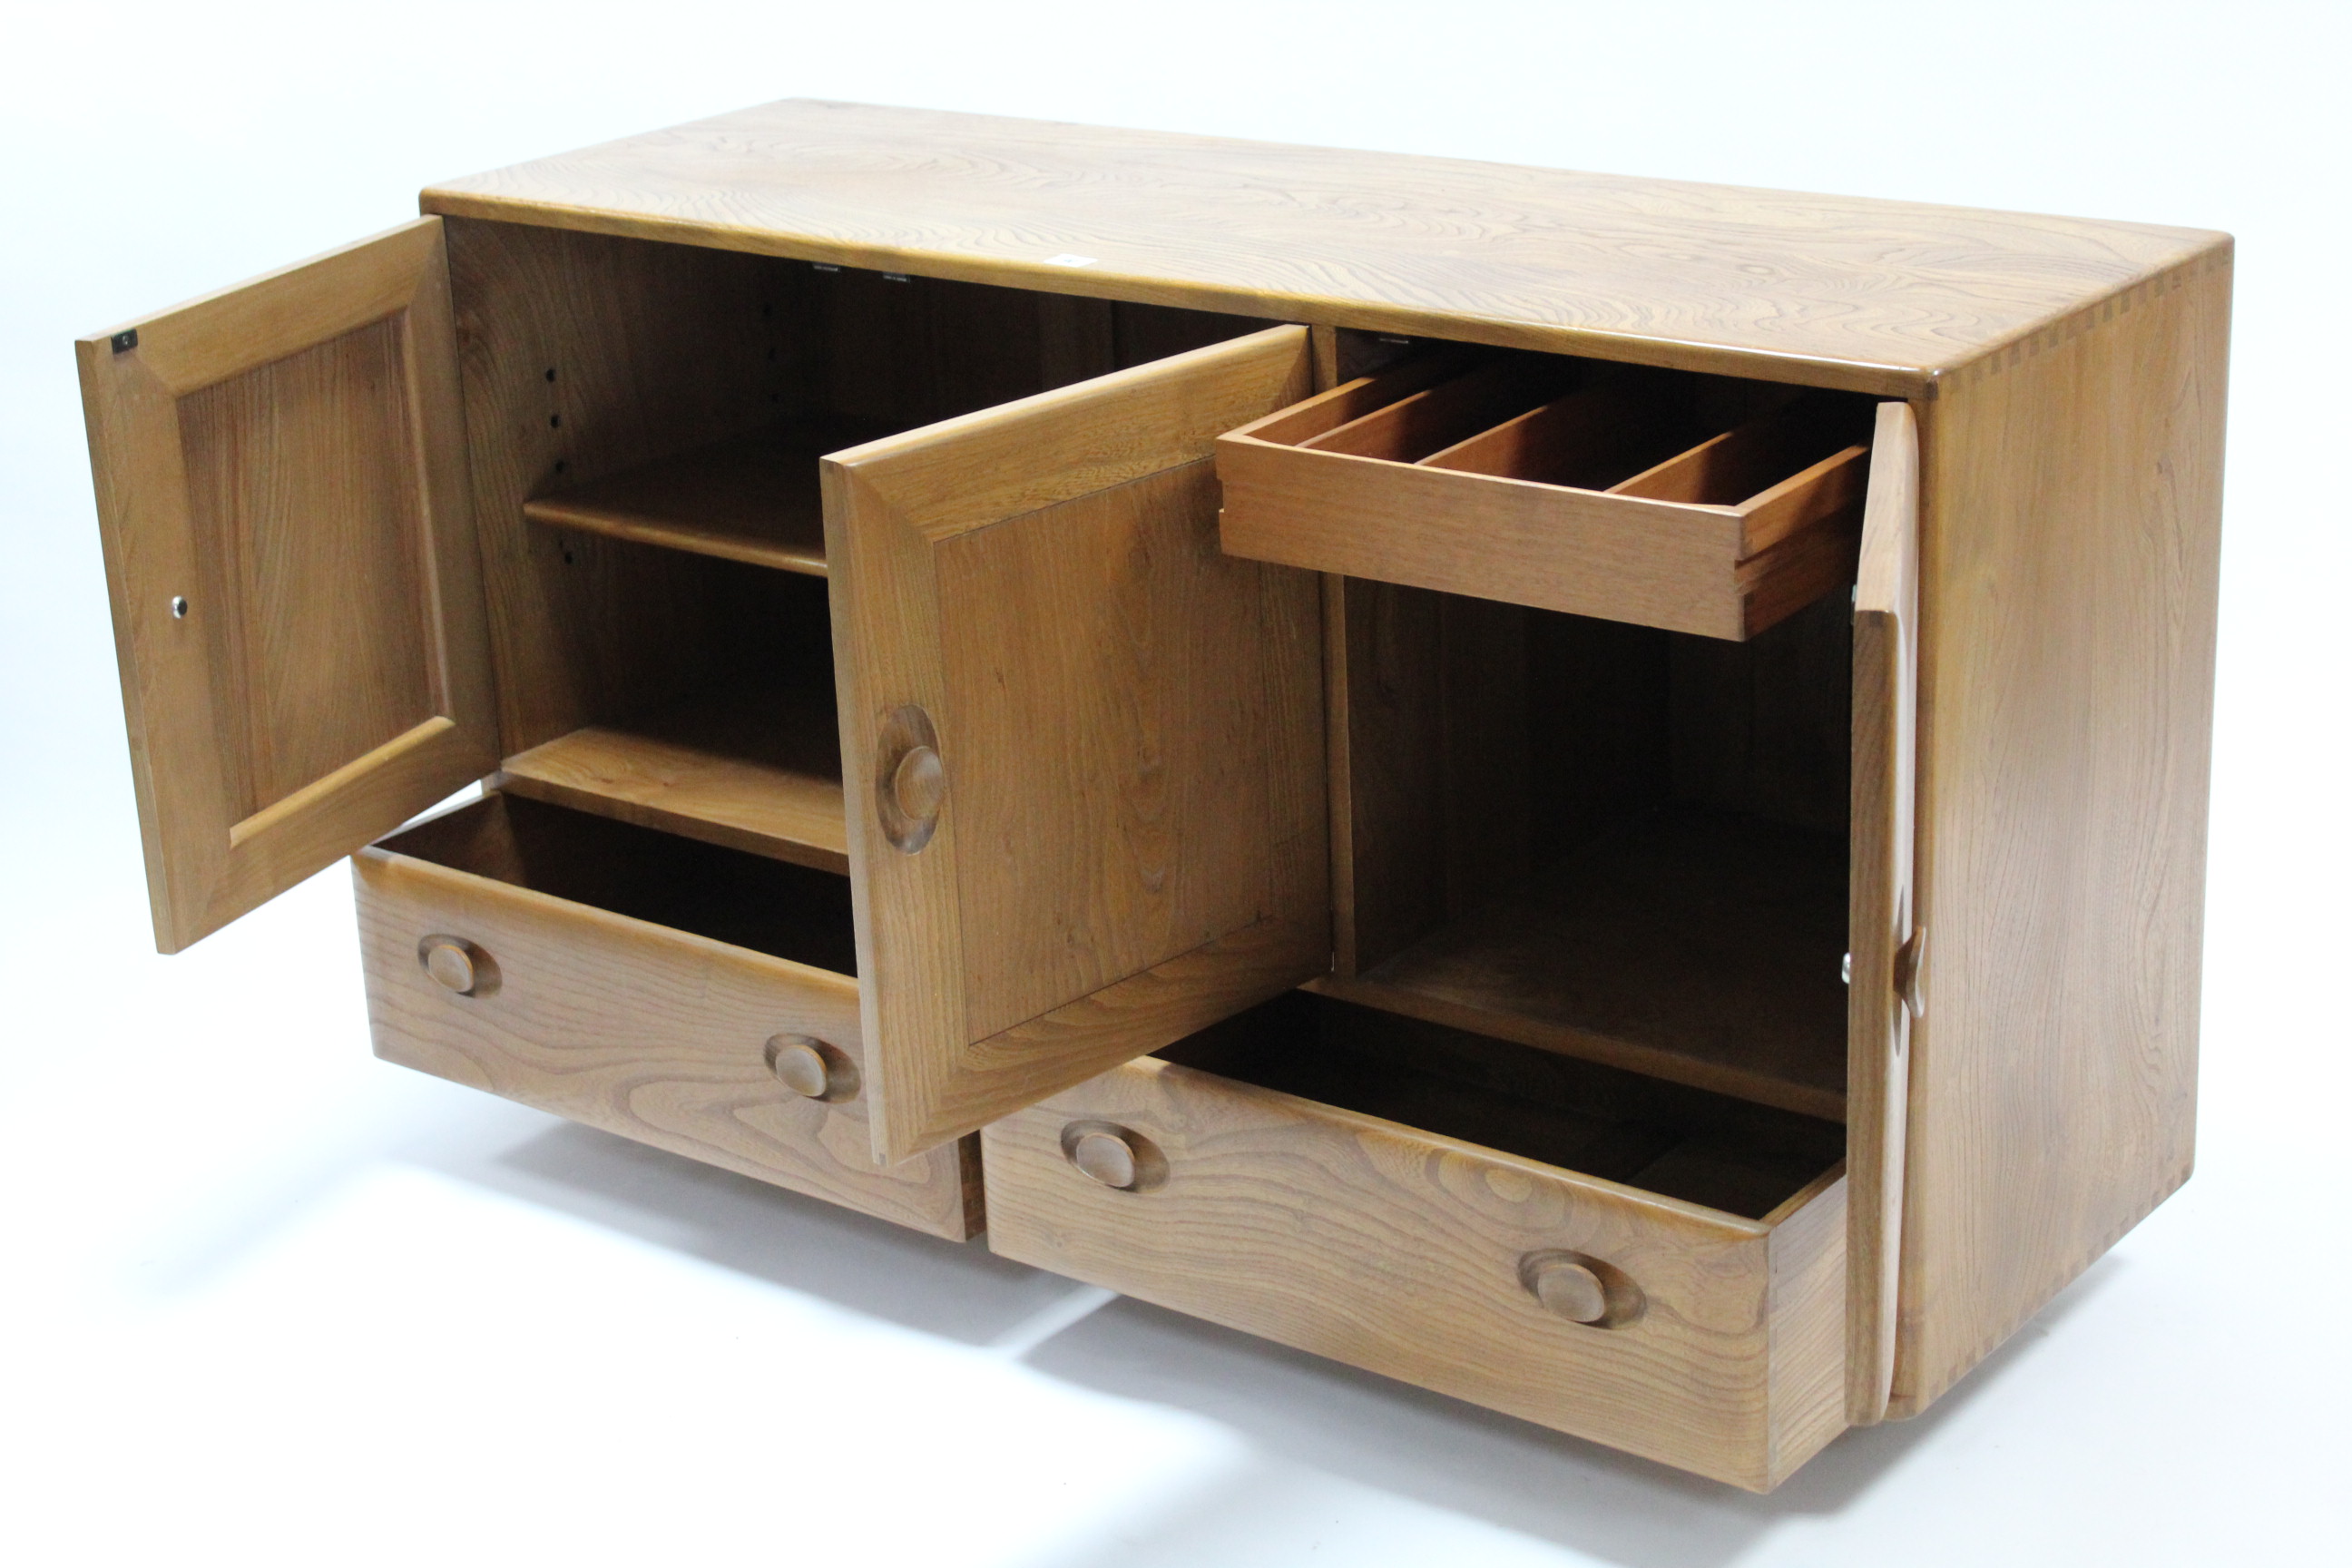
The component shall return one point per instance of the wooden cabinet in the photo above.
(1368, 748)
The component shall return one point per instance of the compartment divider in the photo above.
(1619, 423)
(1441, 416)
(1753, 458)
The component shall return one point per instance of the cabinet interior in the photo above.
(1667, 1138)
(1600, 839)
(752, 901)
(645, 421)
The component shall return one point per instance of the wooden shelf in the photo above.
(752, 497)
(752, 768)
(1697, 947)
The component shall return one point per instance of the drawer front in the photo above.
(1413, 1256)
(654, 1034)
(1314, 486)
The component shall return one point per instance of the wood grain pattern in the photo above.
(1884, 798)
(1874, 296)
(1400, 1251)
(753, 768)
(651, 1033)
(292, 564)
(1106, 687)
(2072, 492)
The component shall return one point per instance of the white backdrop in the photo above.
(265, 1300)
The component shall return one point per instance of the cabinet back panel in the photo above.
(1484, 740)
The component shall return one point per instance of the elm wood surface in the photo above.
(1362, 480)
(1868, 295)
(752, 497)
(638, 1027)
(1129, 727)
(1697, 947)
(2071, 495)
(756, 768)
(1883, 815)
(291, 561)
(1400, 1251)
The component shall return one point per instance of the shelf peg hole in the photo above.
(179, 608)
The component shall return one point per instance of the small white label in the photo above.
(1066, 259)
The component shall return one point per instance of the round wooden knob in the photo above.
(1572, 1290)
(910, 779)
(812, 1067)
(1107, 1157)
(456, 963)
(919, 784)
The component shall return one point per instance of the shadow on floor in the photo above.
(958, 1291)
(1301, 1413)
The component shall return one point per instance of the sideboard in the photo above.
(1585, 792)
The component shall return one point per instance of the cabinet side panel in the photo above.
(2071, 519)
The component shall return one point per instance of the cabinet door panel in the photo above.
(1084, 748)
(1887, 949)
(297, 597)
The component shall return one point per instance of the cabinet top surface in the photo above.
(1873, 294)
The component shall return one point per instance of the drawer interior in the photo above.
(1604, 840)
(752, 901)
(1666, 1138)
(645, 421)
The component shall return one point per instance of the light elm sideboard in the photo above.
(1586, 792)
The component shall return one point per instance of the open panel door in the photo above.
(1084, 748)
(297, 604)
(1883, 993)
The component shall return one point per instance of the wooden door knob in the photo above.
(812, 1068)
(1107, 1157)
(1572, 1290)
(458, 965)
(919, 782)
(910, 779)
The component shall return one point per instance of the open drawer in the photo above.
(1690, 502)
(1651, 1266)
(688, 996)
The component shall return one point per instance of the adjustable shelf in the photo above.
(752, 498)
(1699, 947)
